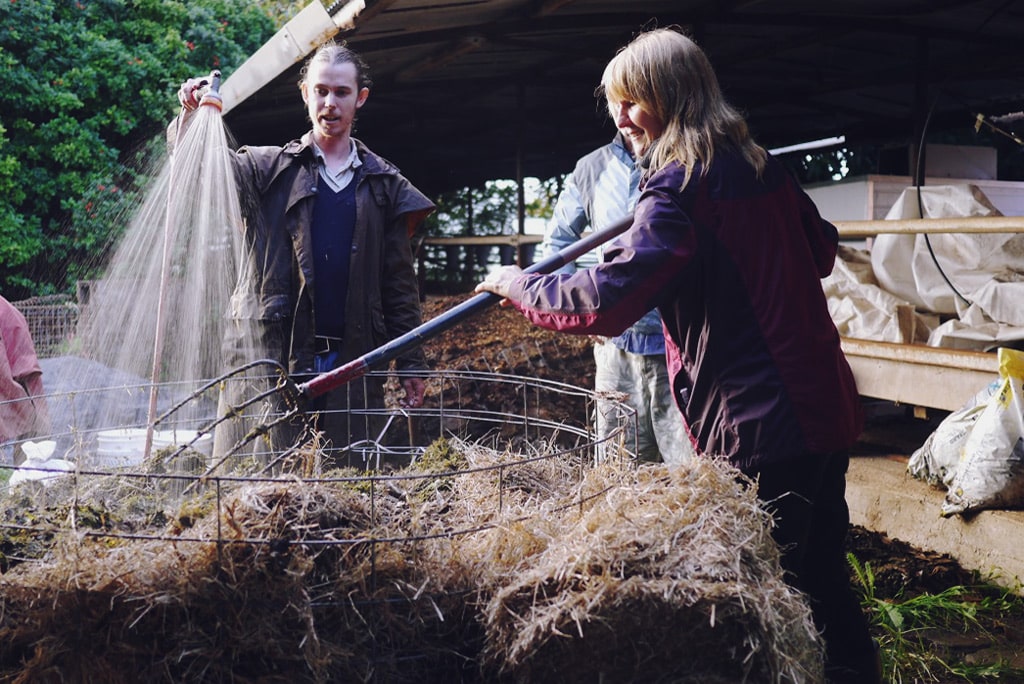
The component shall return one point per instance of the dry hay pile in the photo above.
(669, 576)
(580, 574)
(291, 592)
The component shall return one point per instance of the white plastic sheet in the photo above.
(901, 295)
(863, 310)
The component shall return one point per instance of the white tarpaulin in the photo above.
(900, 295)
(863, 310)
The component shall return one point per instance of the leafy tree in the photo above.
(491, 209)
(820, 166)
(86, 89)
(281, 11)
(463, 212)
(543, 195)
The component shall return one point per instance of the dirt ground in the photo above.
(500, 340)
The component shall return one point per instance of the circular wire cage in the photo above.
(112, 475)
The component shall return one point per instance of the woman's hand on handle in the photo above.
(499, 282)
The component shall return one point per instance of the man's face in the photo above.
(332, 96)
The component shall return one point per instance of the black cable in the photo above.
(919, 182)
(919, 171)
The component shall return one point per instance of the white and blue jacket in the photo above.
(602, 189)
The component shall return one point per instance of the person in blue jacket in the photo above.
(602, 189)
(731, 251)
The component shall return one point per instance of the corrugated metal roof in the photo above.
(470, 90)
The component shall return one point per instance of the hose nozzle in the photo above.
(209, 87)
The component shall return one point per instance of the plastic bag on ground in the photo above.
(937, 460)
(990, 473)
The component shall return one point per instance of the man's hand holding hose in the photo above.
(200, 90)
(188, 94)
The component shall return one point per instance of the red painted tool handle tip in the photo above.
(326, 382)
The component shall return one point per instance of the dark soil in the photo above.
(501, 340)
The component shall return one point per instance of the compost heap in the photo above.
(470, 565)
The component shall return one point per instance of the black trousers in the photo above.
(807, 498)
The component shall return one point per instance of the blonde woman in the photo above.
(731, 252)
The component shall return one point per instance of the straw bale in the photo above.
(269, 603)
(494, 491)
(672, 576)
(526, 484)
(473, 565)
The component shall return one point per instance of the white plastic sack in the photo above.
(990, 473)
(976, 331)
(39, 466)
(937, 460)
(860, 309)
(904, 265)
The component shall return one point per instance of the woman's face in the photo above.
(638, 125)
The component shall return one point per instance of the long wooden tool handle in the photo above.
(357, 368)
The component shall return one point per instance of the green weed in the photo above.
(905, 626)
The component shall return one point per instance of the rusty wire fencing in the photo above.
(96, 480)
(52, 320)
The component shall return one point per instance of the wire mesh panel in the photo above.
(51, 322)
(136, 477)
(374, 524)
(478, 538)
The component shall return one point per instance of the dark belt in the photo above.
(324, 344)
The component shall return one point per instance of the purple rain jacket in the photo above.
(733, 262)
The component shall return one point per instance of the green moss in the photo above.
(27, 533)
(353, 479)
(193, 510)
(93, 517)
(441, 457)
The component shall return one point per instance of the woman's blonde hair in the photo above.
(670, 77)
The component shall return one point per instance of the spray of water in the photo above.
(159, 312)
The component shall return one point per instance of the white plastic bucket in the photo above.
(125, 447)
(120, 448)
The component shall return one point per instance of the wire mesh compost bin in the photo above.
(372, 549)
(510, 546)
